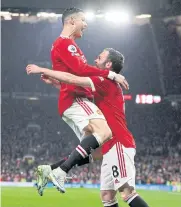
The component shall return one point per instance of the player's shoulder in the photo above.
(107, 81)
(97, 79)
(101, 79)
(104, 81)
(66, 43)
(112, 85)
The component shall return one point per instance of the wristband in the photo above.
(111, 75)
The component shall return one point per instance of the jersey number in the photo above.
(115, 171)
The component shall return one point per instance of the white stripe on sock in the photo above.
(80, 153)
(131, 199)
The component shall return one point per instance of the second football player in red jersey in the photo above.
(118, 170)
(74, 105)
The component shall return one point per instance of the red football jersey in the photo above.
(109, 98)
(66, 56)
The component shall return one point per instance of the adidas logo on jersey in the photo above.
(117, 181)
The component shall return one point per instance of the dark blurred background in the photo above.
(32, 130)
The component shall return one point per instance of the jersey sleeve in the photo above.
(69, 56)
(99, 84)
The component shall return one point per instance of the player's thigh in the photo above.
(107, 191)
(99, 126)
(106, 180)
(129, 154)
(80, 134)
(122, 166)
(81, 112)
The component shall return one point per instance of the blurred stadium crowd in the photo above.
(33, 133)
(39, 136)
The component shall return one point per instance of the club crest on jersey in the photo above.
(99, 112)
(72, 48)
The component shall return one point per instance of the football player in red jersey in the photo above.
(118, 170)
(74, 105)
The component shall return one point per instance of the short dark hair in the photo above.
(116, 58)
(69, 12)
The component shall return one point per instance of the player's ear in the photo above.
(72, 20)
(109, 64)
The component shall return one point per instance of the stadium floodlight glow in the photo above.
(15, 14)
(52, 15)
(33, 98)
(143, 16)
(99, 15)
(3, 13)
(46, 14)
(43, 14)
(117, 17)
(89, 15)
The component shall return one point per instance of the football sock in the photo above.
(83, 161)
(136, 201)
(82, 151)
(58, 164)
(80, 163)
(111, 203)
(114, 205)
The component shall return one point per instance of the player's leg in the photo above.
(131, 197)
(87, 117)
(123, 173)
(89, 143)
(107, 193)
(43, 171)
(108, 198)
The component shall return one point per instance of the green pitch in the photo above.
(28, 197)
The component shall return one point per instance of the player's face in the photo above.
(102, 60)
(80, 24)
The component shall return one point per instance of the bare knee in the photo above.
(100, 129)
(108, 197)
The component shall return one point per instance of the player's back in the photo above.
(109, 98)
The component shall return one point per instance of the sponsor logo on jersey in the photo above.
(83, 58)
(75, 54)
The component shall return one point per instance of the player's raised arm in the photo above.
(69, 78)
(60, 76)
(68, 53)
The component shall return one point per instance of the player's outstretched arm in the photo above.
(79, 66)
(74, 79)
(60, 76)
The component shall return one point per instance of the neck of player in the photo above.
(68, 32)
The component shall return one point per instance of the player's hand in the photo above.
(46, 79)
(33, 69)
(122, 80)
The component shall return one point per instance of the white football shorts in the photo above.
(118, 168)
(78, 115)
